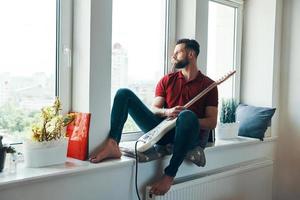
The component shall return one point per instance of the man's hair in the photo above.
(190, 44)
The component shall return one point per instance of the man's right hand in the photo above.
(173, 112)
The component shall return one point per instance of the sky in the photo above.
(139, 26)
(27, 36)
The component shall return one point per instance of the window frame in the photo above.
(64, 47)
(238, 5)
(63, 64)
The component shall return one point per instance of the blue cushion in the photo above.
(253, 121)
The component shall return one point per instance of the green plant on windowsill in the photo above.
(3, 151)
(228, 108)
(227, 127)
(48, 142)
(51, 124)
(9, 149)
(6, 149)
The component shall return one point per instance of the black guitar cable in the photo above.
(136, 170)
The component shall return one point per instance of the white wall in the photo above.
(287, 168)
(257, 52)
(261, 47)
(270, 75)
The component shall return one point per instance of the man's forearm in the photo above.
(207, 123)
(159, 111)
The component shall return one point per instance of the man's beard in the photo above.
(181, 64)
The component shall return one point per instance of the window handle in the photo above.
(68, 56)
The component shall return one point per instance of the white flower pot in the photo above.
(40, 154)
(227, 131)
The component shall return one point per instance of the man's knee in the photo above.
(187, 127)
(123, 93)
(187, 120)
(187, 116)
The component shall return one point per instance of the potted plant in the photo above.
(227, 126)
(47, 142)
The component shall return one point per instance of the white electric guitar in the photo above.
(151, 137)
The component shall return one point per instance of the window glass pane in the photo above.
(138, 41)
(27, 62)
(221, 45)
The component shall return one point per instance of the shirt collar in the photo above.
(198, 77)
(180, 75)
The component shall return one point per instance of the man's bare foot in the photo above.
(162, 186)
(109, 150)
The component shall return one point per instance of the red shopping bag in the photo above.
(78, 132)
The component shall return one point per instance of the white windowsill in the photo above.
(73, 166)
(239, 141)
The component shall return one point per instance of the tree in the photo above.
(15, 119)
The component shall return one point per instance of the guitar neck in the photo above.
(201, 94)
(209, 88)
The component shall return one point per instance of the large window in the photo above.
(224, 25)
(30, 41)
(138, 48)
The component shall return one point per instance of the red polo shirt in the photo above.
(177, 92)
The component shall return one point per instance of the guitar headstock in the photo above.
(225, 77)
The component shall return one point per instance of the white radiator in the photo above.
(251, 181)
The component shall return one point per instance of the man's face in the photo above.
(179, 58)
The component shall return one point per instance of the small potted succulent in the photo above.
(3, 151)
(47, 142)
(227, 126)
